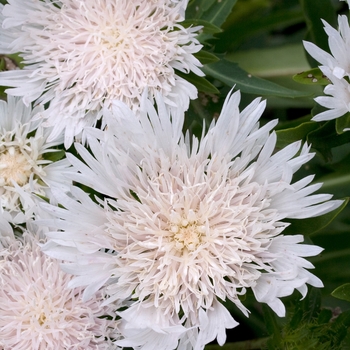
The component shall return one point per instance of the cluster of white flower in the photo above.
(179, 225)
(336, 67)
(38, 311)
(81, 55)
(186, 223)
(23, 167)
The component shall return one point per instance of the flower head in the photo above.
(23, 148)
(336, 67)
(339, 44)
(337, 100)
(38, 311)
(187, 223)
(80, 55)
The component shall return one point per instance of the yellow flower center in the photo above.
(14, 166)
(187, 235)
(42, 319)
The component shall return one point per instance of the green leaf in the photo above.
(339, 328)
(255, 20)
(306, 309)
(324, 316)
(311, 304)
(300, 132)
(3, 95)
(218, 12)
(270, 318)
(314, 10)
(313, 76)
(232, 75)
(265, 62)
(325, 138)
(209, 13)
(206, 57)
(200, 83)
(293, 123)
(15, 57)
(55, 156)
(10, 62)
(342, 123)
(312, 225)
(196, 8)
(208, 28)
(337, 183)
(203, 84)
(273, 327)
(2, 64)
(342, 292)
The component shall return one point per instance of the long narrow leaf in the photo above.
(232, 75)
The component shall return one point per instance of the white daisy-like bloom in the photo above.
(37, 309)
(23, 147)
(339, 44)
(6, 230)
(81, 54)
(336, 67)
(337, 100)
(186, 223)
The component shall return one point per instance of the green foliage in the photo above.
(290, 135)
(342, 292)
(206, 57)
(212, 11)
(232, 75)
(218, 11)
(309, 327)
(265, 62)
(55, 156)
(201, 83)
(10, 62)
(207, 27)
(313, 76)
(312, 225)
(342, 123)
(252, 18)
(313, 11)
(211, 14)
(326, 137)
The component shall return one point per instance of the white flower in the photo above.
(6, 231)
(23, 147)
(338, 99)
(288, 272)
(37, 309)
(147, 331)
(339, 44)
(80, 55)
(186, 223)
(336, 67)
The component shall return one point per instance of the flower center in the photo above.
(42, 319)
(14, 166)
(111, 38)
(187, 234)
